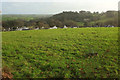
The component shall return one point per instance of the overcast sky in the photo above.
(56, 6)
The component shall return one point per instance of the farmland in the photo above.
(61, 53)
(27, 17)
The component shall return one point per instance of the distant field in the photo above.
(66, 53)
(28, 17)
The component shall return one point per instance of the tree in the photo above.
(42, 24)
(70, 23)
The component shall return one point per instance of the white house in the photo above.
(74, 27)
(42, 27)
(9, 29)
(36, 28)
(19, 29)
(22, 28)
(113, 26)
(65, 26)
(53, 27)
(25, 28)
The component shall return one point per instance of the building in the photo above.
(53, 27)
(22, 28)
(65, 26)
(36, 28)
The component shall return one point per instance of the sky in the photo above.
(56, 6)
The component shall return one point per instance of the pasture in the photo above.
(61, 53)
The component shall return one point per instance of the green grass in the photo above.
(62, 53)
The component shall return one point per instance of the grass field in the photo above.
(65, 53)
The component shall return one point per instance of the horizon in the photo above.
(56, 13)
(57, 7)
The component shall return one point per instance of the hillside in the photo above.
(68, 18)
(86, 17)
(9, 17)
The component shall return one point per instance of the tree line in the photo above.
(68, 18)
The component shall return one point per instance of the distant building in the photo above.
(53, 27)
(19, 29)
(36, 28)
(9, 29)
(74, 27)
(113, 26)
(65, 26)
(50, 28)
(42, 27)
(22, 28)
(25, 28)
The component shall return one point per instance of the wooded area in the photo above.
(67, 18)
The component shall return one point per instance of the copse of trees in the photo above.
(68, 18)
(13, 24)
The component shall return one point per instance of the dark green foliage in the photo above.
(70, 19)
